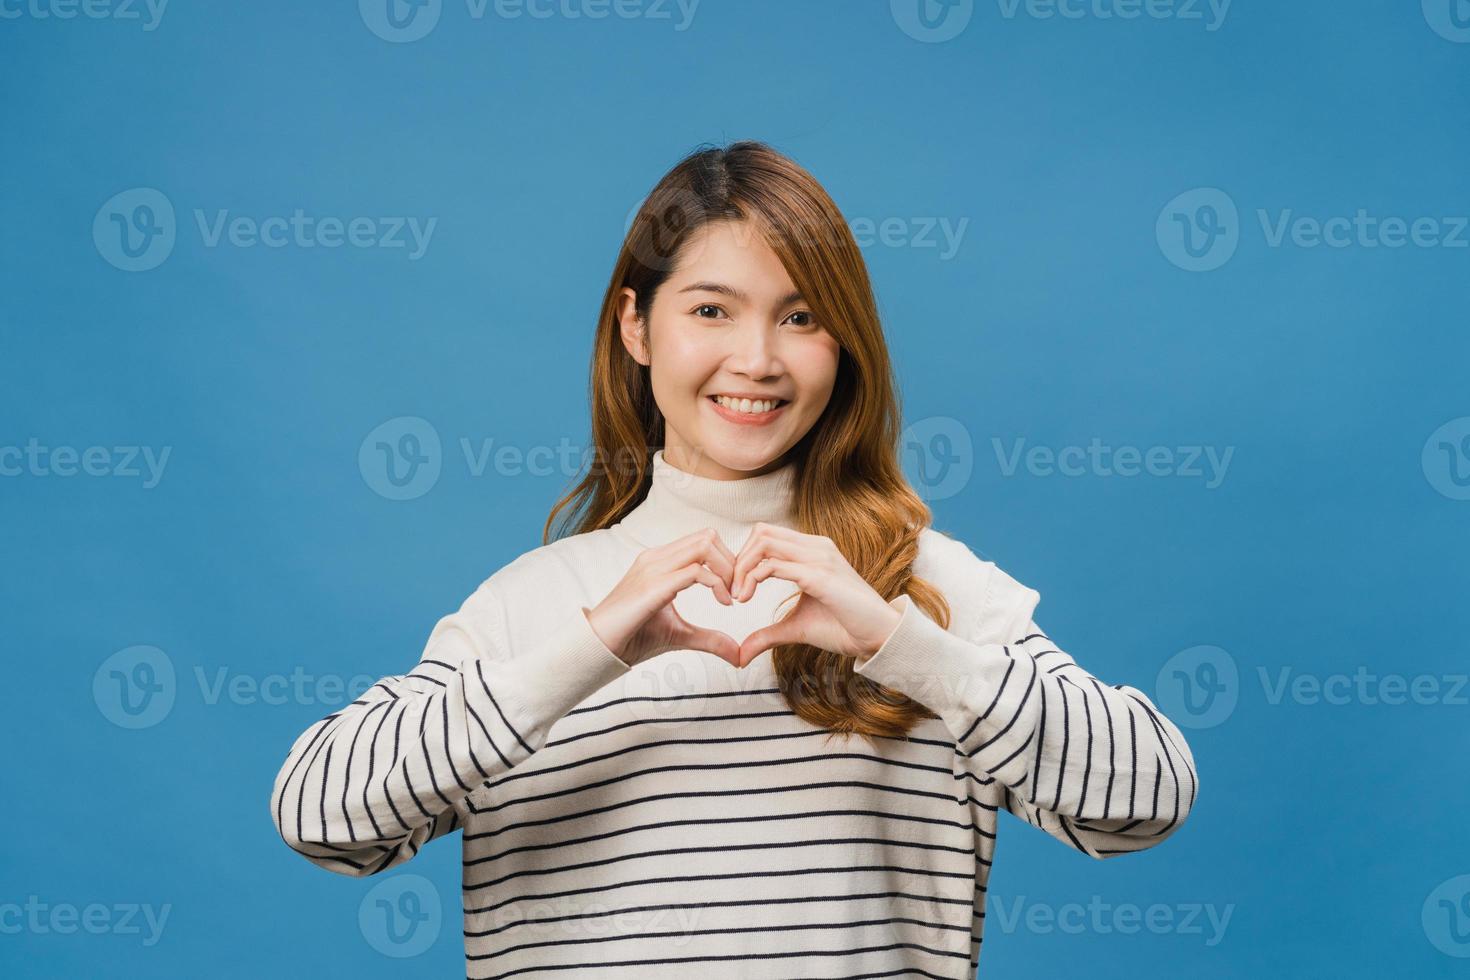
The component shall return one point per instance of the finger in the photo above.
(670, 583)
(679, 579)
(774, 539)
(765, 546)
(715, 583)
(718, 557)
(791, 571)
(704, 545)
(722, 645)
(751, 552)
(786, 630)
(681, 550)
(687, 636)
(780, 531)
(789, 537)
(724, 549)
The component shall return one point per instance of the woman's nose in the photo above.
(756, 350)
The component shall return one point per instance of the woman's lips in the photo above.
(748, 418)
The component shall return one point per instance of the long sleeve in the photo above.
(364, 788)
(1097, 766)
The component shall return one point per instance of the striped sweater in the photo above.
(676, 818)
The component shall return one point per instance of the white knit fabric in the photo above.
(676, 819)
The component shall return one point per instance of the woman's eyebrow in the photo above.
(732, 292)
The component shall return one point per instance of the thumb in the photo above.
(720, 644)
(763, 639)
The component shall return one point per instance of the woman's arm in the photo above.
(1096, 766)
(364, 788)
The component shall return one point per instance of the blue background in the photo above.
(1331, 543)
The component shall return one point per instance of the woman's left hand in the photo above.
(840, 611)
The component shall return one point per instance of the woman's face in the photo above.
(729, 322)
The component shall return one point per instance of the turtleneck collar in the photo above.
(679, 503)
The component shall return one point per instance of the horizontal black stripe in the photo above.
(743, 957)
(711, 821)
(715, 849)
(732, 930)
(823, 759)
(883, 869)
(580, 813)
(745, 903)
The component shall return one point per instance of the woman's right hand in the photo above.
(637, 619)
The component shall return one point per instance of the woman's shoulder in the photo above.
(531, 595)
(557, 562)
(986, 602)
(555, 577)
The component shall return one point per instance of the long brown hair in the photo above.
(849, 485)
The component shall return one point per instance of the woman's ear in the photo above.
(630, 328)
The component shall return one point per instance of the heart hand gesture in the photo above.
(839, 611)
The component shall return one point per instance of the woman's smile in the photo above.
(747, 411)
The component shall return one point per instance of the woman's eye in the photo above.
(809, 321)
(706, 306)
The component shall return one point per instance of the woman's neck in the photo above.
(680, 502)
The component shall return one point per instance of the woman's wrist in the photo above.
(599, 630)
(891, 627)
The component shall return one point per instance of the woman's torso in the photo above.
(683, 821)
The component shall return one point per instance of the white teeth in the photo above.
(747, 406)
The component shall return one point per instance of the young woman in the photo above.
(644, 728)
